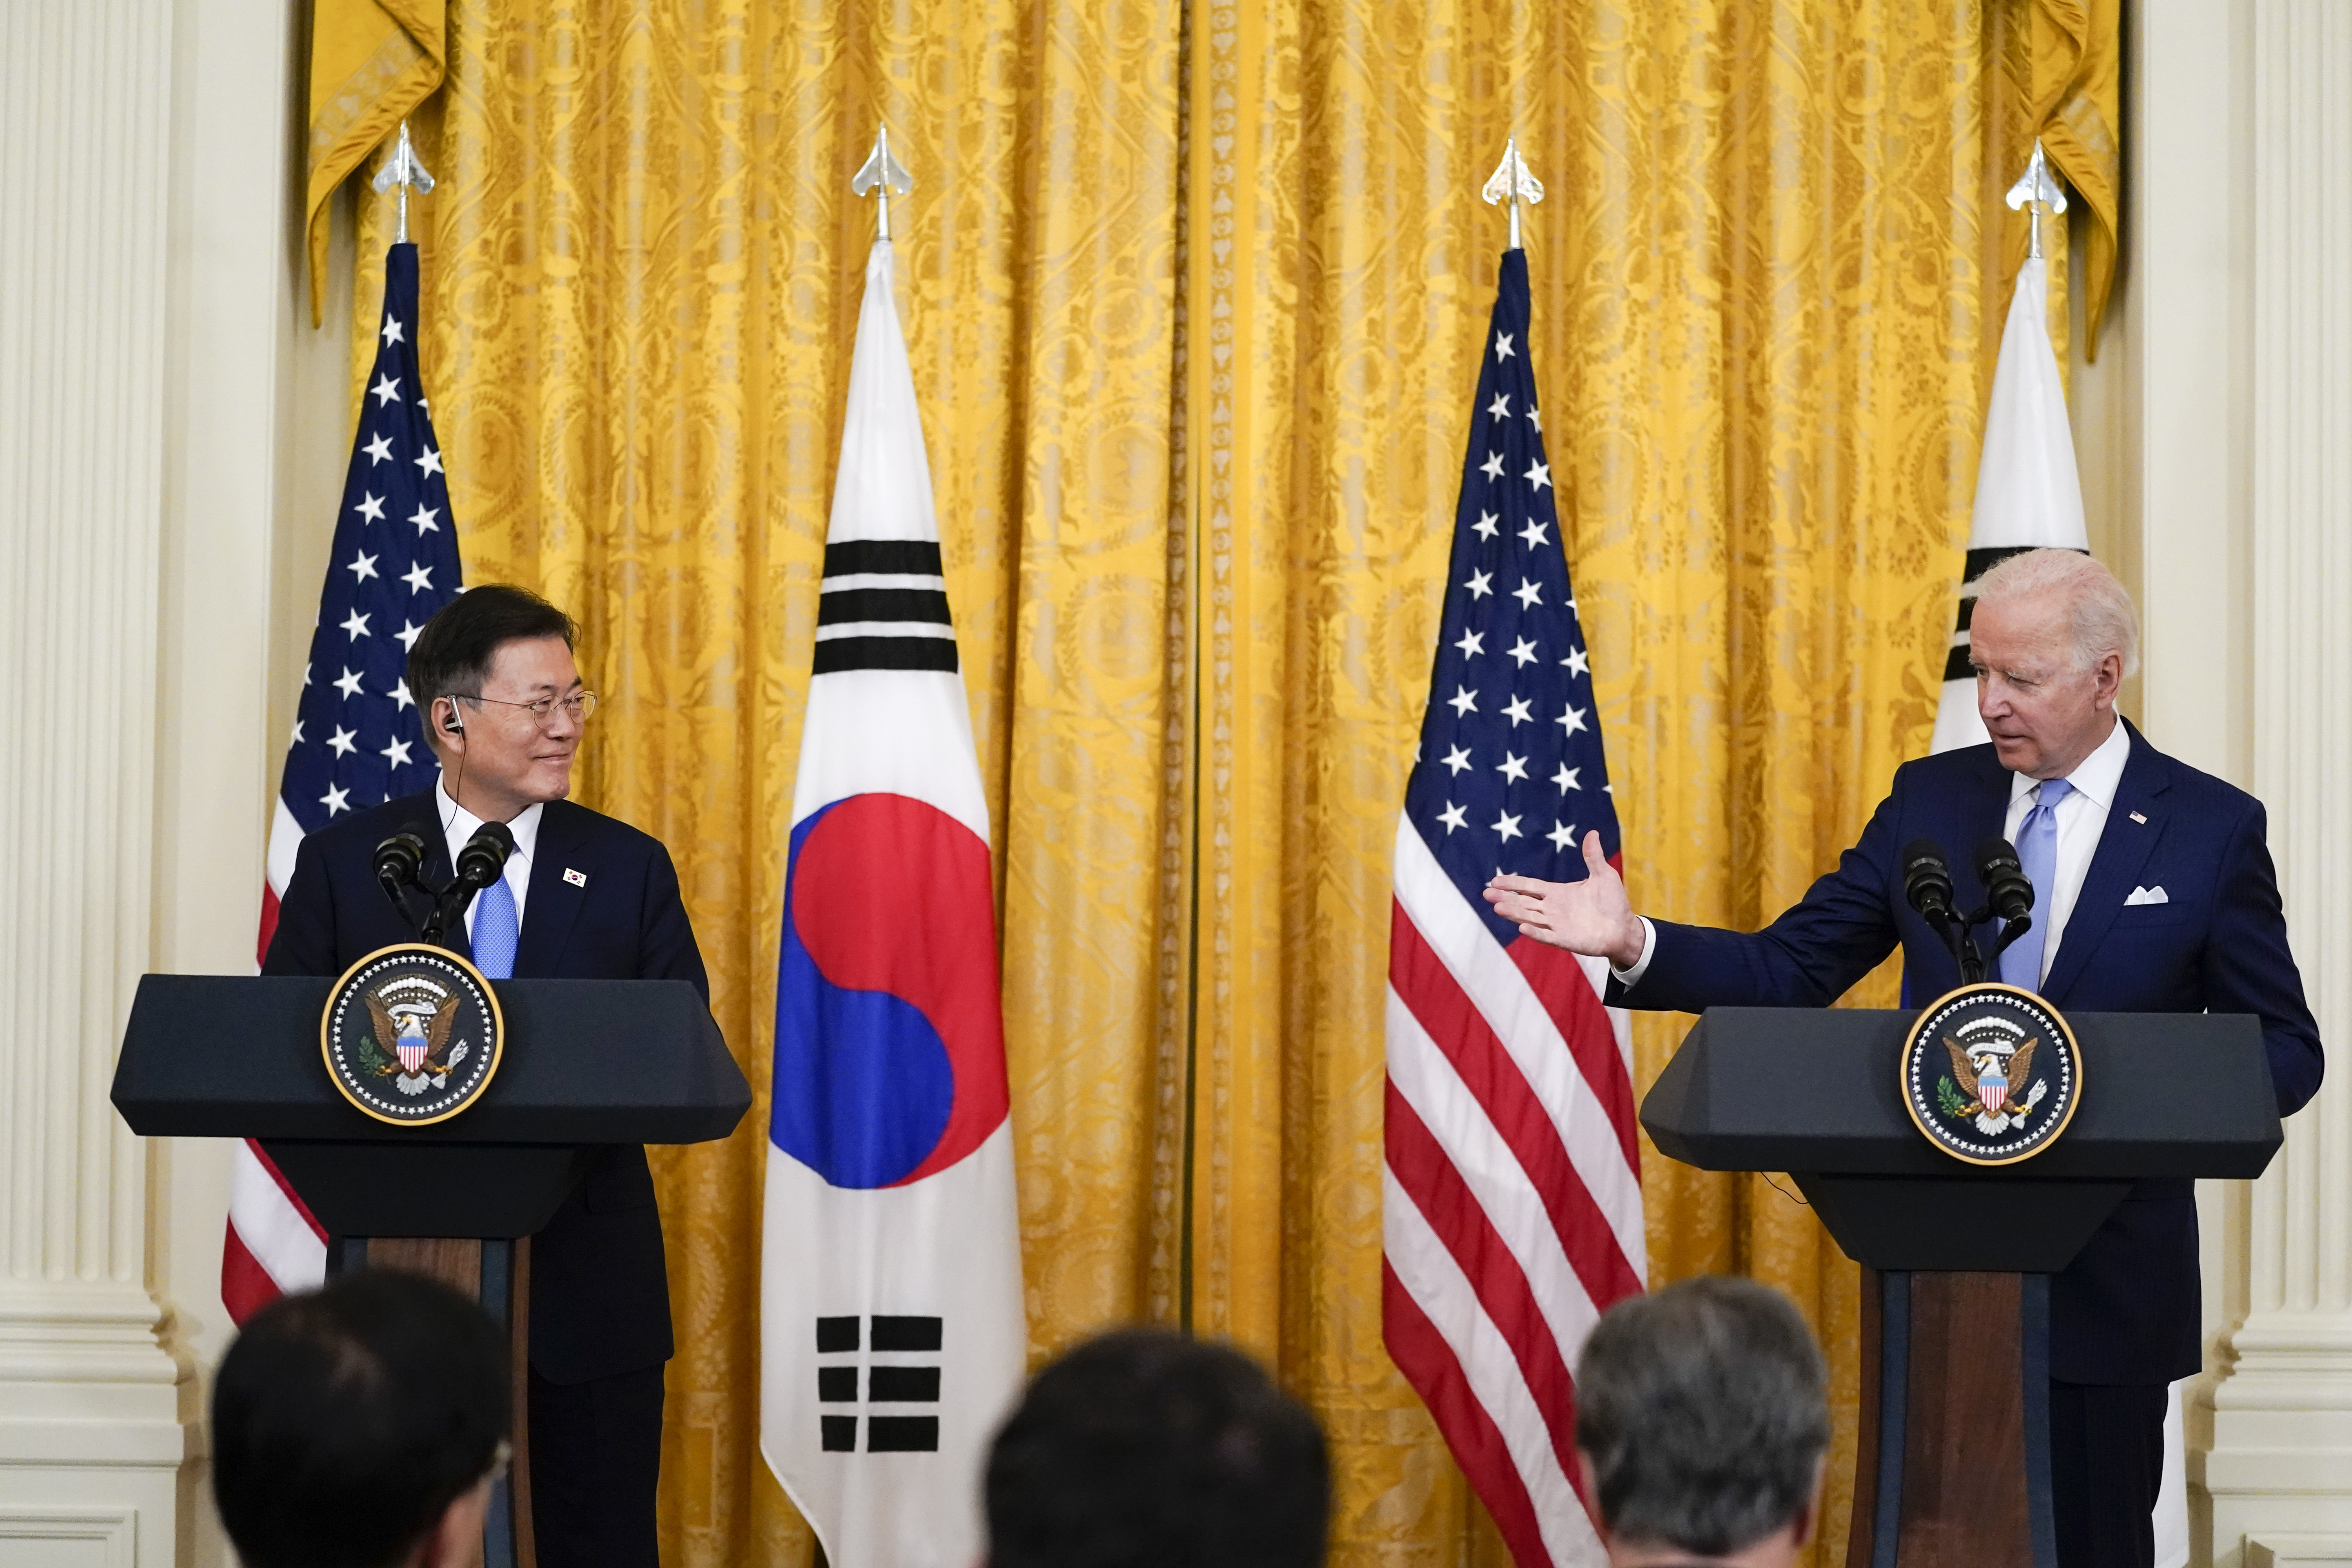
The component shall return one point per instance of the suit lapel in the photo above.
(1979, 809)
(2124, 844)
(554, 903)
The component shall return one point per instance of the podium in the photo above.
(1952, 1465)
(586, 1063)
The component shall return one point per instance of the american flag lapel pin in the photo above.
(577, 879)
(2135, 817)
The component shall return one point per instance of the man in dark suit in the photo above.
(584, 897)
(2153, 892)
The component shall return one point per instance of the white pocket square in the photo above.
(2146, 896)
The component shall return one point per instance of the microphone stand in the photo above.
(1959, 935)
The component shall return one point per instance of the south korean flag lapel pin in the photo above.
(577, 879)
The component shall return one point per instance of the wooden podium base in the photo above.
(1952, 1463)
(498, 1275)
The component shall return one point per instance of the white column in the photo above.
(90, 1438)
(2280, 1470)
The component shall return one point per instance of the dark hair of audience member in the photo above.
(345, 1421)
(1705, 1412)
(1146, 1449)
(453, 654)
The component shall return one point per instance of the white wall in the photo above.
(2216, 438)
(172, 440)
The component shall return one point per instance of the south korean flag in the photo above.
(893, 1339)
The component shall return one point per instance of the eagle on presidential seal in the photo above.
(1986, 1072)
(415, 1017)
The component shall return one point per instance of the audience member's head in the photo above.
(359, 1426)
(1146, 1449)
(1702, 1420)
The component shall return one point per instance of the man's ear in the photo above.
(2108, 674)
(455, 1539)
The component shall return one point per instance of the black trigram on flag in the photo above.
(894, 1427)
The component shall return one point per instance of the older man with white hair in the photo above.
(2154, 893)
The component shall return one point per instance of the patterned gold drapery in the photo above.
(1193, 291)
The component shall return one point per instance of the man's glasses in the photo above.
(576, 706)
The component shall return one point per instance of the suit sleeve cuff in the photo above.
(1631, 975)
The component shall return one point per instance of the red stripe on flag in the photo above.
(1454, 1213)
(245, 1284)
(1428, 1364)
(1560, 984)
(1431, 993)
(268, 923)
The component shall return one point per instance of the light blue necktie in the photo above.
(2037, 852)
(496, 928)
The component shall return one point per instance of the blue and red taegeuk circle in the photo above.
(889, 1034)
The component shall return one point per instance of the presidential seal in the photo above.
(1991, 1074)
(411, 1033)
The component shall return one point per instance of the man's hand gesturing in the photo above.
(1591, 917)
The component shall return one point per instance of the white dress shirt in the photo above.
(458, 825)
(2082, 818)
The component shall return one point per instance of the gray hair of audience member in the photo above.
(2102, 618)
(1704, 1412)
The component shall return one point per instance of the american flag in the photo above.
(1513, 1195)
(359, 738)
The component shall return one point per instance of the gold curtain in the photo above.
(1195, 291)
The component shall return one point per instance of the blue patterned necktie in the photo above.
(496, 928)
(2037, 852)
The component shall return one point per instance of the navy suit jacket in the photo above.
(2129, 1310)
(599, 1282)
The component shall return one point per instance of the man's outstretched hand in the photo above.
(1593, 917)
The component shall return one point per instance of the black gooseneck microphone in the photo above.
(2006, 885)
(399, 860)
(1927, 882)
(2009, 893)
(479, 864)
(484, 855)
(1928, 888)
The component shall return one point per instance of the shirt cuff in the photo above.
(1631, 975)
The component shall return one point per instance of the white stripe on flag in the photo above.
(1504, 1189)
(842, 582)
(285, 840)
(1511, 1008)
(1437, 1285)
(885, 629)
(271, 1227)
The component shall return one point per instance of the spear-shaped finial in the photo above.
(882, 173)
(405, 170)
(1511, 183)
(2037, 189)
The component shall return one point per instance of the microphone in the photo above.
(398, 860)
(483, 857)
(2005, 886)
(1928, 881)
(479, 864)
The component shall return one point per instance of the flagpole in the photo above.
(405, 170)
(882, 175)
(1510, 183)
(2035, 190)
